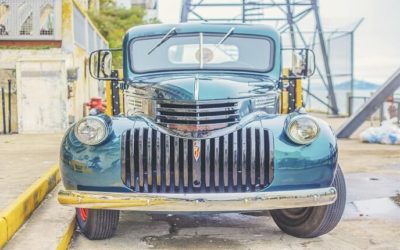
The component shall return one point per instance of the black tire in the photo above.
(310, 222)
(97, 224)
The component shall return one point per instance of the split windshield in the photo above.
(202, 51)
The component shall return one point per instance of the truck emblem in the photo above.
(196, 150)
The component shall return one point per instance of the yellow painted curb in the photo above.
(3, 232)
(66, 239)
(14, 216)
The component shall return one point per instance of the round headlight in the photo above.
(302, 130)
(91, 130)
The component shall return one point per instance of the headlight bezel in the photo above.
(296, 119)
(101, 121)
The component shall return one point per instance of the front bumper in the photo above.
(201, 202)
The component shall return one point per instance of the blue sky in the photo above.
(377, 40)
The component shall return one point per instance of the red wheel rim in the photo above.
(83, 213)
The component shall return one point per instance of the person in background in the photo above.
(392, 108)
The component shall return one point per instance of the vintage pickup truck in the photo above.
(202, 131)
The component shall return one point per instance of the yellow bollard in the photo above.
(284, 102)
(299, 94)
(108, 98)
(121, 93)
(285, 94)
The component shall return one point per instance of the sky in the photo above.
(377, 40)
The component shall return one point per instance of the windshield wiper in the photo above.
(226, 36)
(163, 40)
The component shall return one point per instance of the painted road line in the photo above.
(14, 216)
(67, 237)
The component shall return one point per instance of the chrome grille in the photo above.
(241, 161)
(198, 113)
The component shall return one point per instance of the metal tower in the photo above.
(286, 15)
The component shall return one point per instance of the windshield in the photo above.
(202, 51)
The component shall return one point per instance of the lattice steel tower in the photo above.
(288, 16)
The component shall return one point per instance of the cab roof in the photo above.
(161, 29)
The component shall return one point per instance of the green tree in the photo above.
(113, 21)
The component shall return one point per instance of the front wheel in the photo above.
(97, 224)
(309, 222)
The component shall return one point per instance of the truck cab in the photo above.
(211, 123)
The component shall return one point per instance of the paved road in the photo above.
(238, 231)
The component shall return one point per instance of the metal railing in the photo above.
(387, 110)
(85, 34)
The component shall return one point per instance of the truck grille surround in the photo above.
(153, 162)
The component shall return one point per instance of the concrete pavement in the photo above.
(23, 160)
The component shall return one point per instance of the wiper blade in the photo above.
(163, 40)
(226, 35)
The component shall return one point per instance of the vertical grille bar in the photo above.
(185, 163)
(123, 155)
(244, 160)
(216, 162)
(145, 161)
(207, 163)
(225, 161)
(235, 159)
(132, 161)
(176, 161)
(158, 158)
(149, 156)
(271, 165)
(253, 156)
(141, 157)
(167, 162)
(262, 157)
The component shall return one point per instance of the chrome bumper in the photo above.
(201, 202)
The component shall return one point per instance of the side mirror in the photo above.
(100, 64)
(300, 62)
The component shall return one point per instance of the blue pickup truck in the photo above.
(203, 131)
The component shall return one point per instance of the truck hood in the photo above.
(203, 87)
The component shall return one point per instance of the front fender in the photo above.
(302, 166)
(85, 167)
